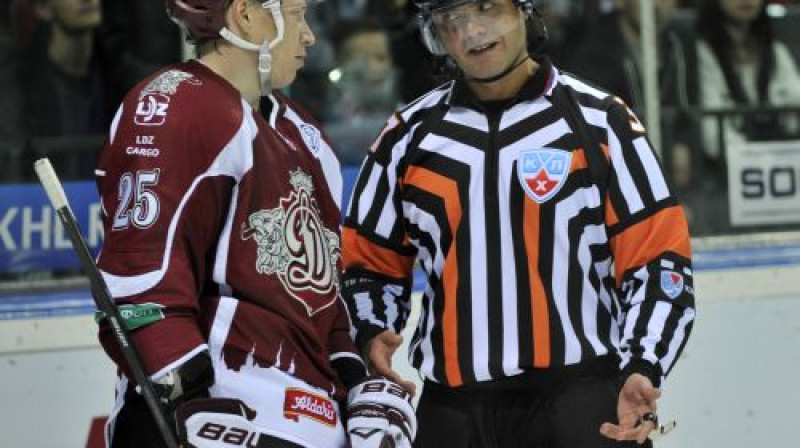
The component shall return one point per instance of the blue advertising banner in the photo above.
(33, 239)
(349, 174)
(31, 235)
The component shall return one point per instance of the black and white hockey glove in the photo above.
(222, 423)
(187, 381)
(380, 415)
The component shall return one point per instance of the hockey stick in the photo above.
(102, 297)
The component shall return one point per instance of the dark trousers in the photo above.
(552, 408)
(135, 426)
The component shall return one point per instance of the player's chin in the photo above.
(279, 82)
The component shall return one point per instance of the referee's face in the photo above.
(483, 37)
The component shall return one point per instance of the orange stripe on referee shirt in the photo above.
(447, 189)
(539, 308)
(663, 232)
(363, 253)
(578, 160)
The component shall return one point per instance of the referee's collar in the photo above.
(540, 83)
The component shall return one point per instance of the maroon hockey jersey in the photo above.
(207, 202)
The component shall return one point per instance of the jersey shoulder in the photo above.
(185, 94)
(181, 108)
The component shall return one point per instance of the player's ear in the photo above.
(240, 15)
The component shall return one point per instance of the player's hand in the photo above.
(379, 358)
(635, 411)
(192, 379)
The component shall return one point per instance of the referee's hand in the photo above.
(379, 358)
(637, 399)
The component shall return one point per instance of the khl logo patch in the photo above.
(542, 172)
(671, 283)
(312, 138)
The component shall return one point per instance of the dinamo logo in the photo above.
(294, 245)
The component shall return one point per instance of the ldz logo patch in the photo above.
(152, 110)
(154, 99)
(542, 172)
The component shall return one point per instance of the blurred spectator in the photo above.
(10, 99)
(11, 142)
(310, 87)
(742, 64)
(364, 91)
(5, 19)
(416, 67)
(331, 12)
(610, 55)
(365, 77)
(137, 38)
(64, 82)
(566, 22)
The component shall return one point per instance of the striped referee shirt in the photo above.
(526, 265)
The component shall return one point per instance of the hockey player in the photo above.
(222, 248)
(559, 284)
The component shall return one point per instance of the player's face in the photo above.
(483, 37)
(289, 54)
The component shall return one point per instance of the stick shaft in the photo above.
(102, 298)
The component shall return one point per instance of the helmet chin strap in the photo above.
(264, 50)
(513, 66)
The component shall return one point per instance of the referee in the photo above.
(559, 284)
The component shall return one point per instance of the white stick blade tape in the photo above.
(49, 179)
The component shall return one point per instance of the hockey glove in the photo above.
(380, 415)
(212, 422)
(222, 423)
(187, 381)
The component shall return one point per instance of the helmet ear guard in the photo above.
(429, 36)
(537, 34)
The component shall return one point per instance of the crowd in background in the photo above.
(65, 64)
